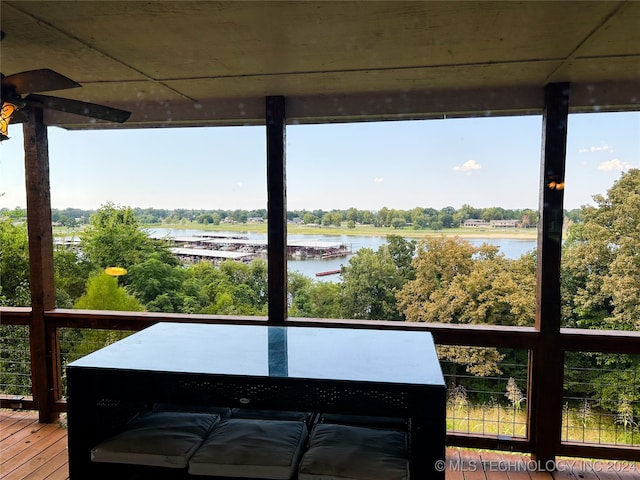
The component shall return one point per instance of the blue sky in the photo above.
(483, 162)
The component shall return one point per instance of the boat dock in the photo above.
(219, 247)
(328, 272)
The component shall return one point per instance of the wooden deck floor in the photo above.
(34, 451)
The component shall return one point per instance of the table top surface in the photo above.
(368, 355)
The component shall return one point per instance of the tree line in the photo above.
(436, 279)
(418, 218)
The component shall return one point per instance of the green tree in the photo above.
(436, 225)
(529, 218)
(71, 274)
(352, 215)
(601, 290)
(397, 222)
(309, 218)
(205, 218)
(152, 278)
(573, 215)
(447, 220)
(370, 282)
(464, 213)
(14, 261)
(312, 299)
(402, 252)
(234, 288)
(114, 238)
(493, 213)
(601, 260)
(382, 217)
(456, 282)
(14, 292)
(103, 293)
(199, 286)
(418, 218)
(368, 218)
(296, 282)
(253, 275)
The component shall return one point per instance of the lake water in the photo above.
(512, 248)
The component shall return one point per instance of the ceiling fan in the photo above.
(18, 91)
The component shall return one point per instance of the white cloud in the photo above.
(599, 148)
(615, 164)
(378, 180)
(469, 166)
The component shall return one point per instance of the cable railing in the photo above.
(491, 402)
(75, 343)
(486, 409)
(601, 399)
(15, 362)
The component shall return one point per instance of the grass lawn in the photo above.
(362, 230)
(498, 420)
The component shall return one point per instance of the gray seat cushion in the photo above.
(251, 448)
(161, 439)
(344, 452)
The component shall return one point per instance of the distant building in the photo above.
(475, 223)
(504, 223)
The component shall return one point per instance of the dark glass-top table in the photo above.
(327, 370)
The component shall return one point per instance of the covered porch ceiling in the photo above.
(184, 63)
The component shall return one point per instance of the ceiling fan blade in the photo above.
(42, 80)
(79, 108)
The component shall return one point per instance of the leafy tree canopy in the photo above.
(114, 238)
(103, 293)
(153, 277)
(456, 282)
(601, 260)
(14, 263)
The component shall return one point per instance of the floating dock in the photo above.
(218, 247)
(328, 272)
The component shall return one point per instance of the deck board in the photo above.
(471, 465)
(41, 465)
(21, 458)
(453, 458)
(34, 451)
(21, 430)
(48, 469)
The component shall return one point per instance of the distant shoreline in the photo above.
(361, 230)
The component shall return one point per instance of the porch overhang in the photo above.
(213, 63)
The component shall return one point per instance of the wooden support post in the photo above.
(277, 209)
(43, 339)
(546, 365)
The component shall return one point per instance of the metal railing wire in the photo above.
(491, 401)
(601, 399)
(15, 361)
(75, 343)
